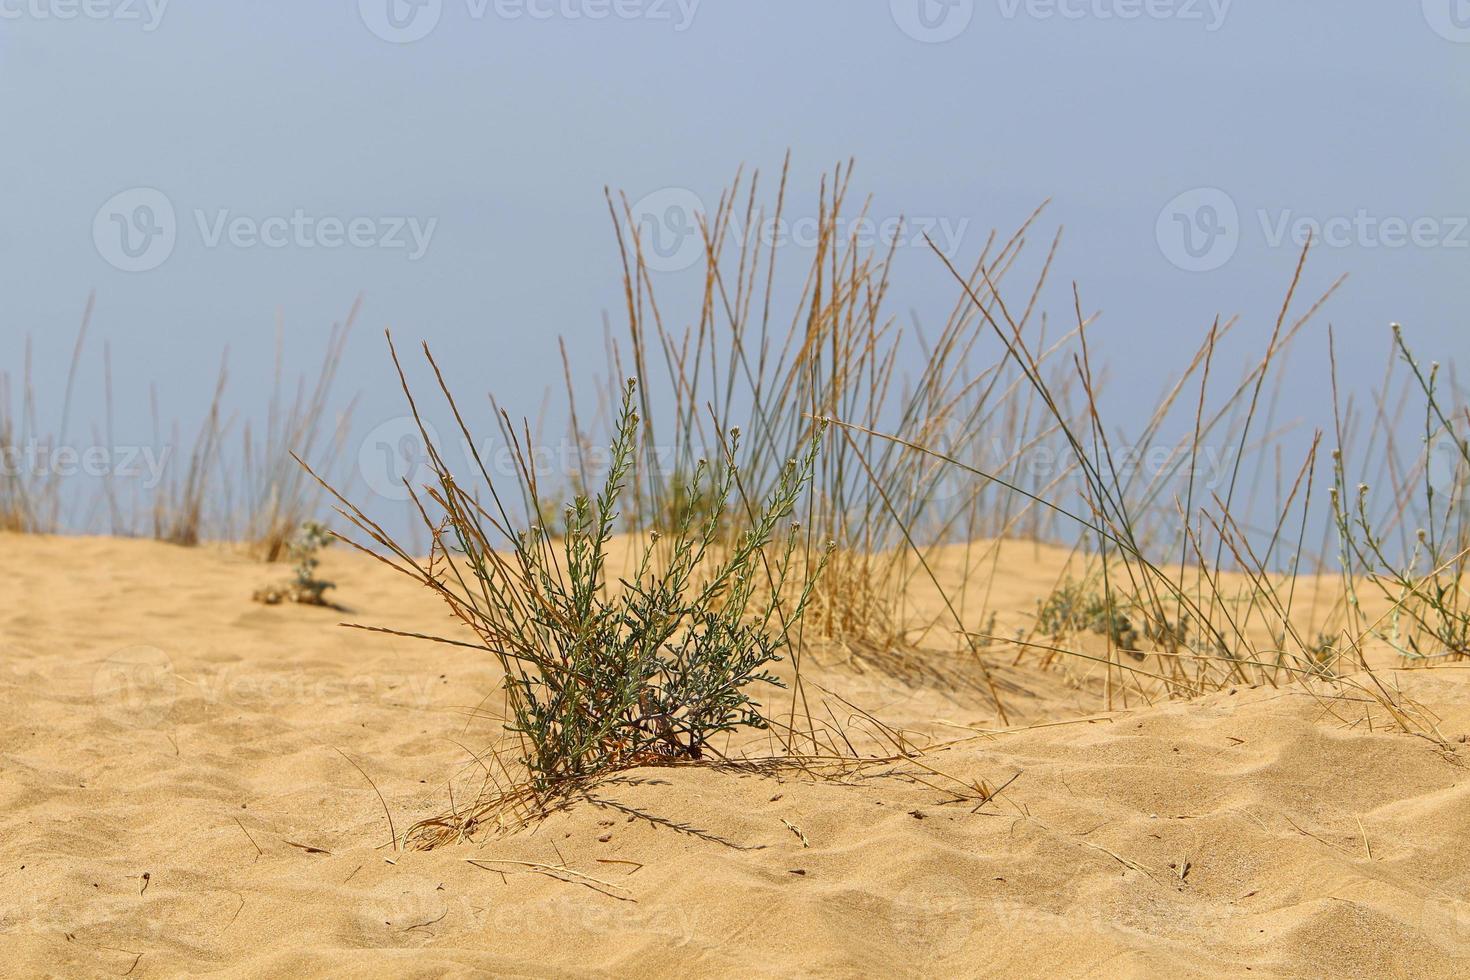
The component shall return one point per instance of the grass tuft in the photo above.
(601, 676)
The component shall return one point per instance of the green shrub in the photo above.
(1072, 608)
(603, 675)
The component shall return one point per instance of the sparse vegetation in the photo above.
(1426, 587)
(279, 494)
(863, 509)
(30, 496)
(600, 676)
(1073, 608)
(195, 490)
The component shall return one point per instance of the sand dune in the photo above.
(174, 797)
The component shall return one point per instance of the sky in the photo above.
(206, 167)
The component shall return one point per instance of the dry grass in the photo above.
(280, 496)
(1181, 592)
(30, 497)
(1180, 585)
(179, 506)
(203, 492)
(1193, 583)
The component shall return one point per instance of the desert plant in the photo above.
(303, 548)
(601, 676)
(659, 668)
(684, 494)
(1425, 583)
(1222, 611)
(1074, 608)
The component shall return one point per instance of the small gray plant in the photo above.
(304, 587)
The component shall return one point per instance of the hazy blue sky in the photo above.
(494, 133)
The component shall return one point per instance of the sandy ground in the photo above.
(176, 795)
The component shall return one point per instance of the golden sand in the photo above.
(174, 797)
